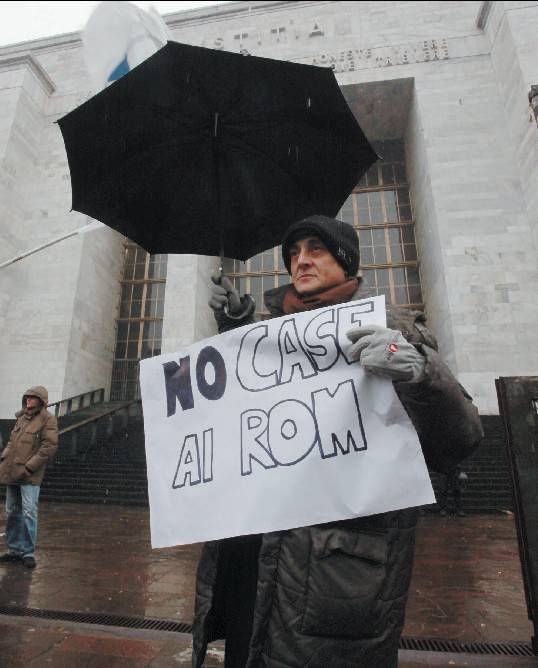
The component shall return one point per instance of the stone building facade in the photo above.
(451, 80)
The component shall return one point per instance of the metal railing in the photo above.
(89, 427)
(77, 402)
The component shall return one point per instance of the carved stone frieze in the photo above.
(401, 54)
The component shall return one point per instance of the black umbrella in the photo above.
(203, 151)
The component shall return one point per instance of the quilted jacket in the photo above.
(334, 595)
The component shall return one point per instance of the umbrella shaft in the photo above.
(216, 170)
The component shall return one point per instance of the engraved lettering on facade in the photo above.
(402, 54)
(245, 40)
(317, 30)
(278, 34)
(241, 37)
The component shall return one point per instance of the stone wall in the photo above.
(32, 348)
(471, 149)
(187, 317)
(511, 28)
(59, 305)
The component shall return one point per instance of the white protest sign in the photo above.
(270, 426)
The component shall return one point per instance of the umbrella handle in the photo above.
(248, 307)
(246, 303)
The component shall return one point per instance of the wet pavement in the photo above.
(466, 586)
(467, 582)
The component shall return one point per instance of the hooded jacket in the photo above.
(334, 595)
(32, 443)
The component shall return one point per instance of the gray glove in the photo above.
(385, 352)
(223, 294)
(224, 297)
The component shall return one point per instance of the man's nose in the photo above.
(303, 257)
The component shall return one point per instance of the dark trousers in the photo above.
(449, 485)
(238, 573)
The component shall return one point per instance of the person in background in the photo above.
(32, 444)
(453, 481)
(331, 595)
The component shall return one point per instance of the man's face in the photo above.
(313, 268)
(32, 402)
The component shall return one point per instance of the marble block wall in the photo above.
(471, 147)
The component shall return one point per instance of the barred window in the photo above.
(379, 209)
(140, 322)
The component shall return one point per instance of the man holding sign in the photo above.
(333, 593)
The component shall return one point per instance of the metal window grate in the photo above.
(406, 642)
(462, 647)
(101, 619)
(139, 325)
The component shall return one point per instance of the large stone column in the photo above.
(59, 305)
(511, 28)
(24, 91)
(187, 317)
(474, 231)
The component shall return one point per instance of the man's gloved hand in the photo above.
(225, 299)
(223, 294)
(385, 352)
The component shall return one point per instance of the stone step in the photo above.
(89, 491)
(111, 484)
(112, 500)
(95, 471)
(116, 472)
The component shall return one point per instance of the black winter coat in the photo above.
(334, 595)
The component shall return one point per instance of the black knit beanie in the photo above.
(340, 238)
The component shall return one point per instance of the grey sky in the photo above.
(22, 21)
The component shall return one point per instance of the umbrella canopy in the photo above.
(204, 151)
